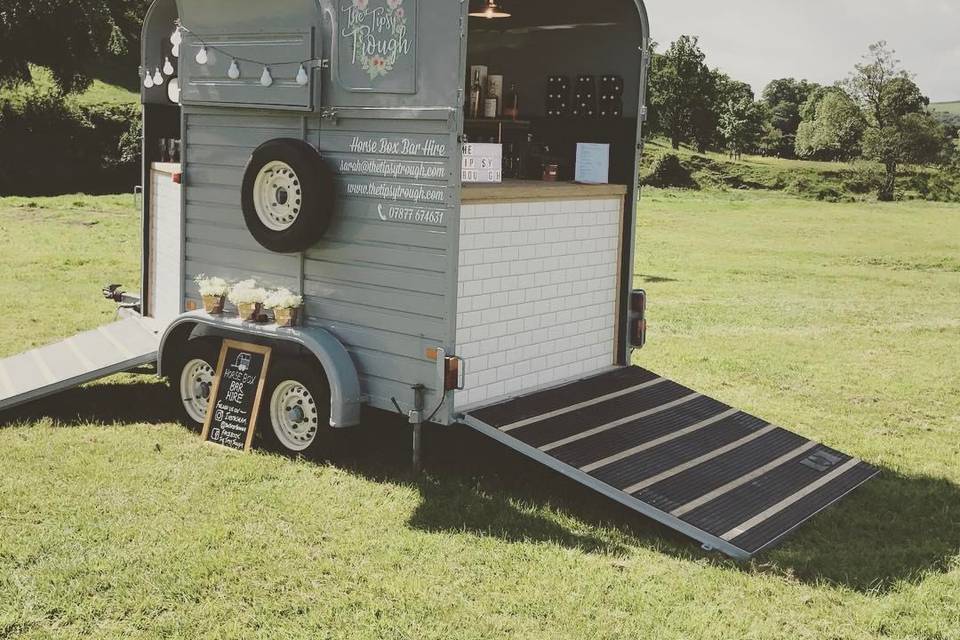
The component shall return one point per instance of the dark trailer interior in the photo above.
(581, 47)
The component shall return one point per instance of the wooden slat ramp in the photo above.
(83, 358)
(733, 482)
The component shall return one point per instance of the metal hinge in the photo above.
(329, 113)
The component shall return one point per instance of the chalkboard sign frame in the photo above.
(229, 345)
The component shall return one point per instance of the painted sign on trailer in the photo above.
(237, 394)
(378, 45)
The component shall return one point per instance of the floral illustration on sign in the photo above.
(378, 32)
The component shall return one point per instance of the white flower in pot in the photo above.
(213, 291)
(286, 306)
(249, 299)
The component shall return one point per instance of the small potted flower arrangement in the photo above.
(249, 299)
(213, 291)
(286, 307)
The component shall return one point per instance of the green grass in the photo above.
(828, 181)
(99, 93)
(947, 107)
(841, 321)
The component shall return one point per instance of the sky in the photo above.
(820, 40)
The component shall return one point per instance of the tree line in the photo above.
(877, 113)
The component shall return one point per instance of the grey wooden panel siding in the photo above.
(380, 281)
(383, 285)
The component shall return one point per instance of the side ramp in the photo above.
(733, 482)
(85, 357)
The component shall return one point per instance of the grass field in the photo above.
(947, 107)
(841, 321)
(100, 91)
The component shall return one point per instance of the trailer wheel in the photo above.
(287, 195)
(296, 409)
(191, 379)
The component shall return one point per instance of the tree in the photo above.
(742, 125)
(785, 98)
(67, 36)
(900, 130)
(834, 131)
(678, 80)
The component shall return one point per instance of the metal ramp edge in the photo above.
(79, 359)
(732, 482)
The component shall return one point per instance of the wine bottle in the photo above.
(475, 93)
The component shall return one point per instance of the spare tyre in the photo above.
(288, 195)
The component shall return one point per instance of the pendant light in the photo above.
(266, 79)
(302, 77)
(492, 10)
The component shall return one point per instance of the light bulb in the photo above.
(175, 52)
(148, 80)
(266, 79)
(234, 71)
(176, 37)
(302, 77)
(168, 67)
(202, 56)
(157, 78)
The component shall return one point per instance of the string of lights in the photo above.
(233, 71)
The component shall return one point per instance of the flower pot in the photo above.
(213, 304)
(287, 317)
(250, 311)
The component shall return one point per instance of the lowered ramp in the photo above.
(83, 358)
(733, 482)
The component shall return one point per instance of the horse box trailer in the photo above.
(322, 148)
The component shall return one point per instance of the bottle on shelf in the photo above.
(475, 94)
(511, 103)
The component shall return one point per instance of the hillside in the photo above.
(100, 92)
(947, 107)
(830, 181)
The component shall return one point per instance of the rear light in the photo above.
(638, 319)
(451, 369)
(451, 374)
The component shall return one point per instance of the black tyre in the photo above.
(288, 195)
(191, 373)
(295, 414)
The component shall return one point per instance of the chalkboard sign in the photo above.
(236, 395)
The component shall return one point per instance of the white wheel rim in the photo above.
(196, 380)
(294, 415)
(277, 196)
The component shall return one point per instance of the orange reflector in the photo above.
(433, 353)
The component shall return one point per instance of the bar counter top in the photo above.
(519, 190)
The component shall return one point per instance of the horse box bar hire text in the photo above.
(318, 146)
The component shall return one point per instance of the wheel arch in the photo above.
(346, 398)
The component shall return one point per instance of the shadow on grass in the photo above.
(120, 400)
(895, 528)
